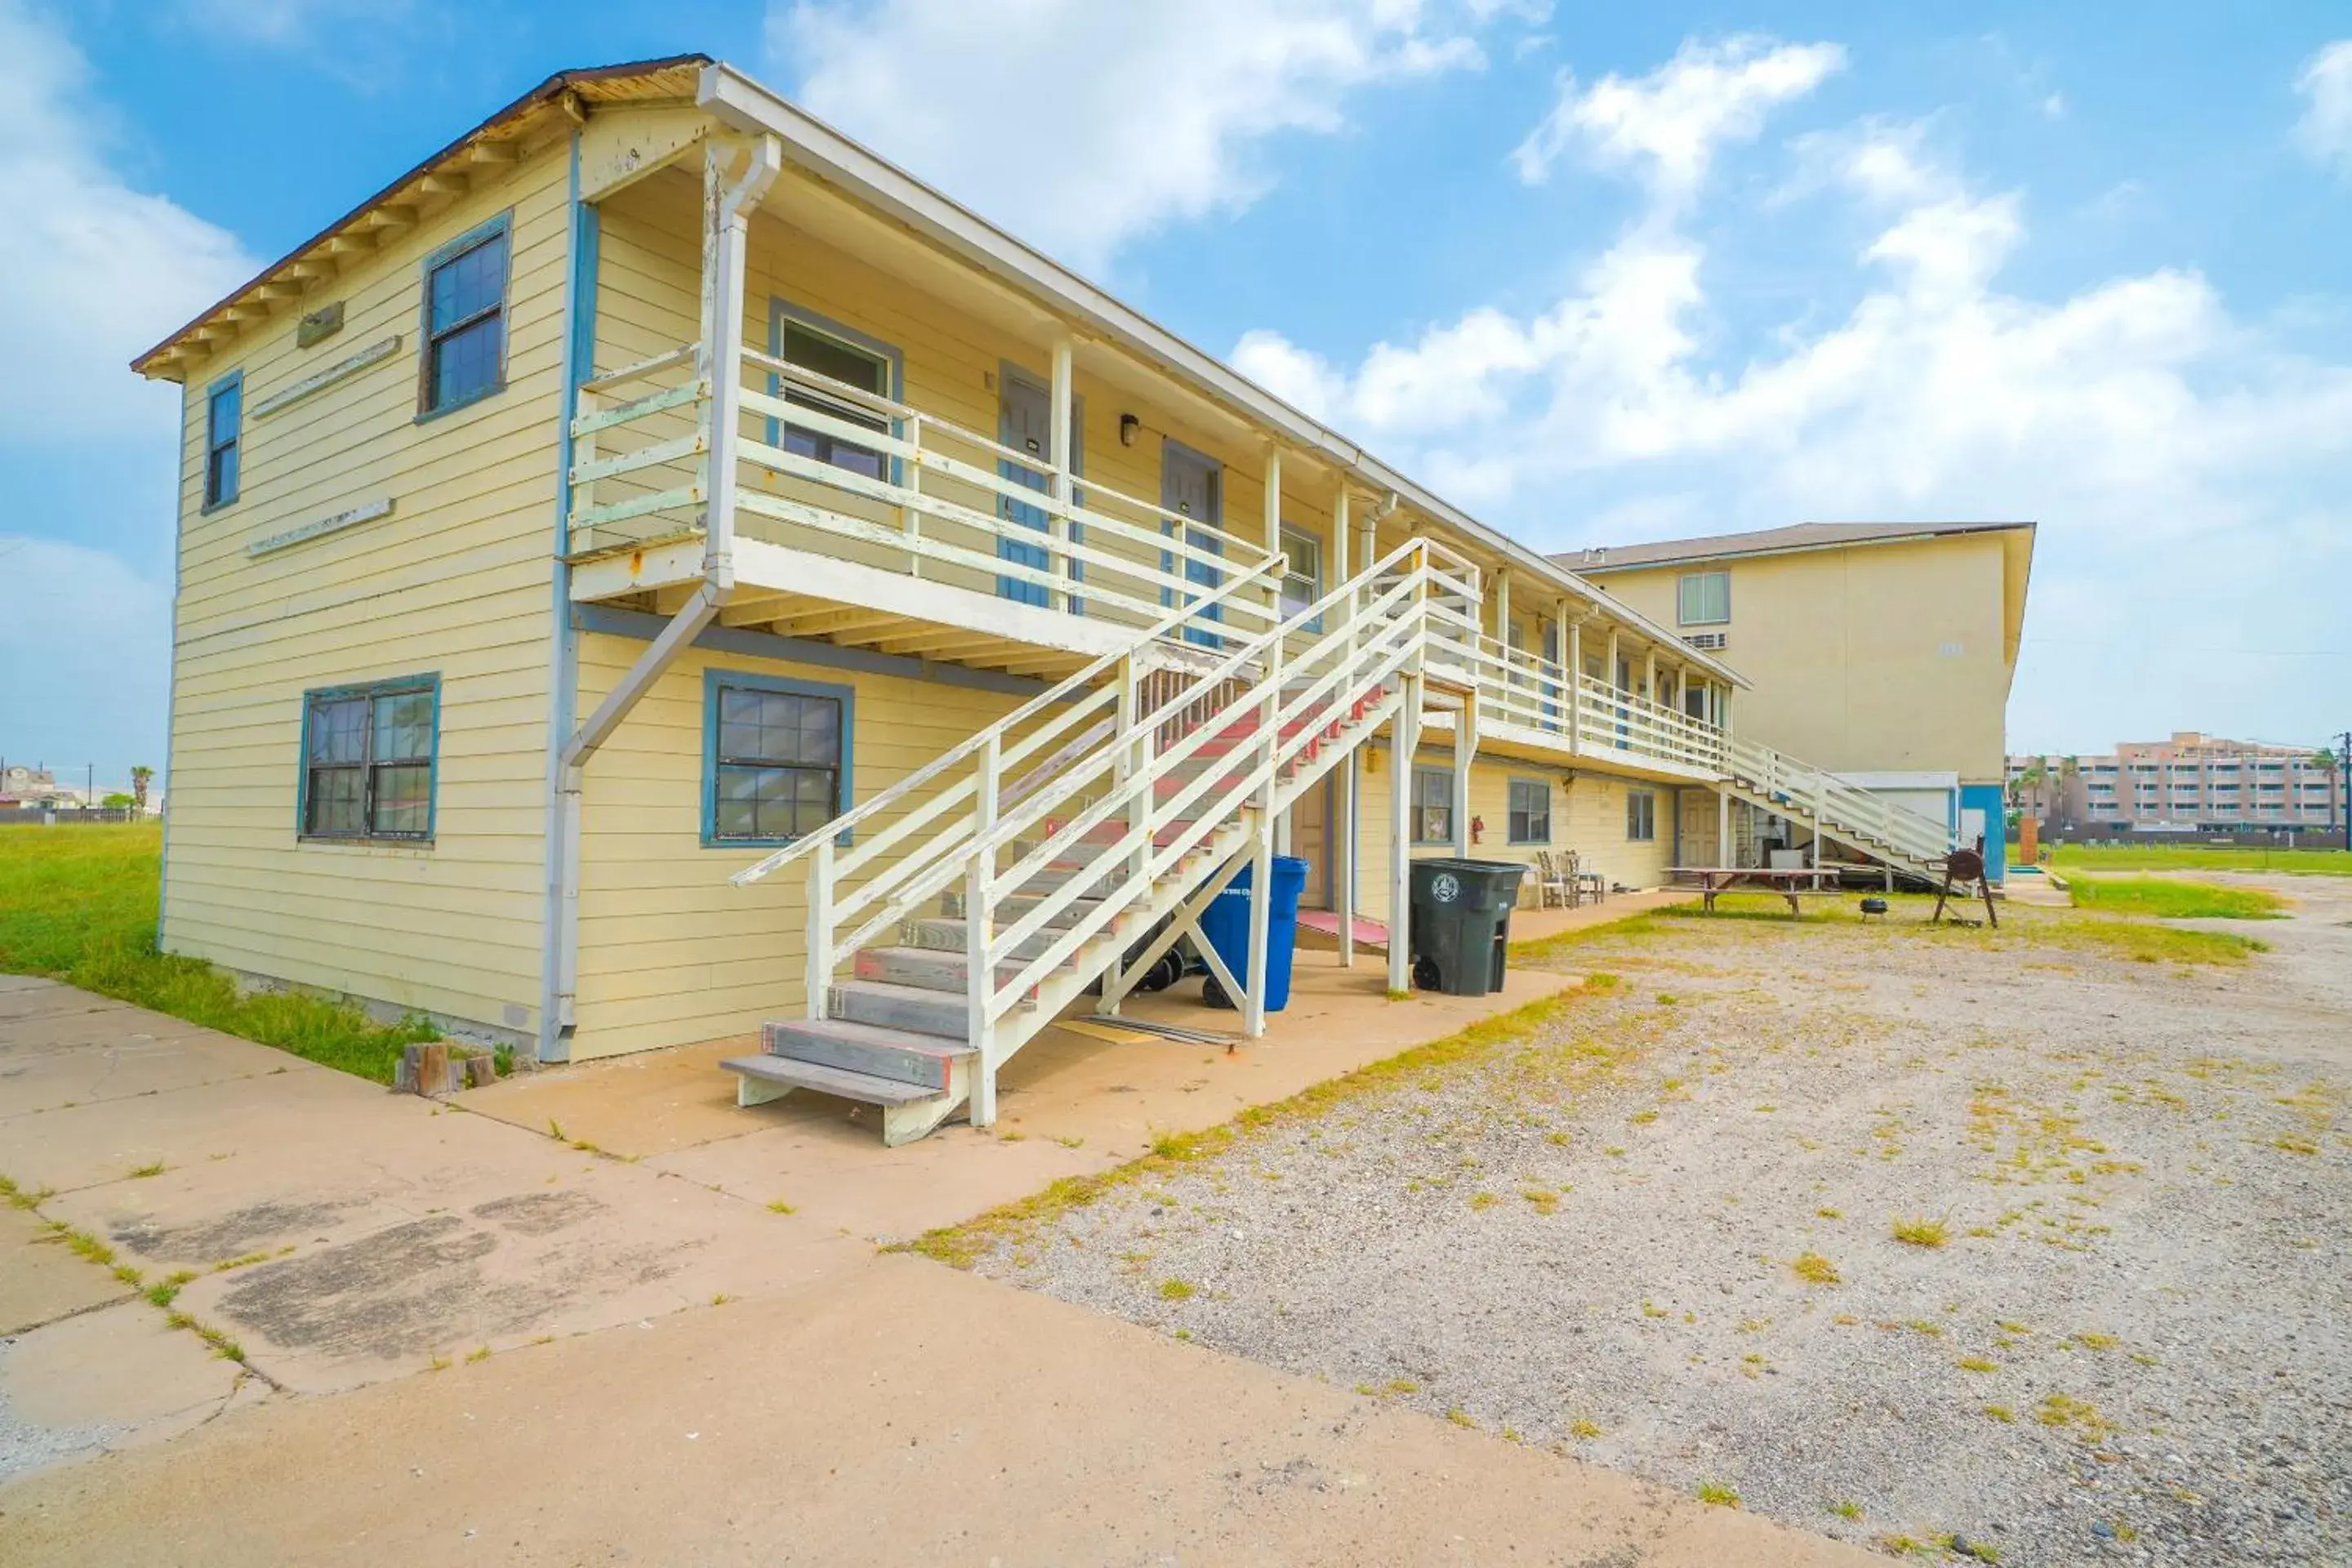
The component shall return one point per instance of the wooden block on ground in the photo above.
(433, 1068)
(482, 1071)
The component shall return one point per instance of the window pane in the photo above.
(403, 798)
(832, 358)
(227, 405)
(337, 801)
(1706, 598)
(220, 476)
(339, 731)
(778, 727)
(403, 727)
(469, 284)
(465, 362)
(739, 790)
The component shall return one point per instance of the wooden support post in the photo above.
(979, 938)
(1340, 826)
(1059, 566)
(1404, 739)
(819, 978)
(1260, 957)
(1723, 827)
(1576, 684)
(1650, 678)
(1466, 746)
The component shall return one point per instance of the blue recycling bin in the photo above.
(1226, 924)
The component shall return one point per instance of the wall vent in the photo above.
(1709, 642)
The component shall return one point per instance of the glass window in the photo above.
(1432, 805)
(1530, 812)
(224, 423)
(1704, 598)
(368, 760)
(835, 360)
(465, 320)
(776, 762)
(1641, 816)
(1302, 583)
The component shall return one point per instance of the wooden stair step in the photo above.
(908, 1056)
(858, 1086)
(928, 968)
(914, 1009)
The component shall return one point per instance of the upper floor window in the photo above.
(465, 317)
(1702, 598)
(224, 423)
(837, 354)
(1302, 581)
(775, 756)
(368, 758)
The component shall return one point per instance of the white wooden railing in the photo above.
(1114, 745)
(1835, 804)
(904, 489)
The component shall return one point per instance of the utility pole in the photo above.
(2344, 786)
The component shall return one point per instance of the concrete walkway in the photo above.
(466, 1341)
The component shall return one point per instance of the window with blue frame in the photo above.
(223, 430)
(465, 319)
(836, 357)
(775, 754)
(368, 760)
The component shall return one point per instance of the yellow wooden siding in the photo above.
(670, 953)
(1588, 815)
(456, 582)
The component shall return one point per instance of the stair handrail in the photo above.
(1271, 570)
(1816, 791)
(1396, 641)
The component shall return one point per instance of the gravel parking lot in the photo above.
(2029, 1248)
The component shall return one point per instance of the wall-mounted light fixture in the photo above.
(1127, 425)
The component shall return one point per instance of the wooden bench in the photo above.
(1790, 883)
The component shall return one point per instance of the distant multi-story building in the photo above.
(2191, 782)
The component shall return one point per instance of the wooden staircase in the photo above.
(1907, 843)
(1085, 870)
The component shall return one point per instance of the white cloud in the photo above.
(1081, 125)
(1666, 125)
(2139, 418)
(86, 643)
(2325, 132)
(97, 270)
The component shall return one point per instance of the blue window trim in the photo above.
(712, 679)
(781, 311)
(204, 480)
(503, 224)
(429, 682)
(1012, 588)
(1543, 784)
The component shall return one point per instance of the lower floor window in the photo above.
(368, 760)
(1432, 805)
(1641, 815)
(775, 758)
(1530, 808)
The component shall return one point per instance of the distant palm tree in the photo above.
(141, 778)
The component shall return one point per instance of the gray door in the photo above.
(1191, 485)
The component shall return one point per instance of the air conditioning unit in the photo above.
(1709, 642)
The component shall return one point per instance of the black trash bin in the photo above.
(1462, 923)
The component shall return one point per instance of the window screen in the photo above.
(1705, 598)
(367, 761)
(836, 360)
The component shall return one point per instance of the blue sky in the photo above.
(1600, 278)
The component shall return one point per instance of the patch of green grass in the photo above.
(1921, 1231)
(165, 1291)
(1583, 1429)
(2217, 857)
(2163, 899)
(1978, 1364)
(1462, 1418)
(1846, 1510)
(78, 904)
(143, 1172)
(2002, 1414)
(2145, 943)
(1716, 1494)
(1176, 1290)
(778, 1205)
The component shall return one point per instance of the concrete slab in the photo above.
(109, 1380)
(99, 1059)
(40, 1281)
(48, 999)
(899, 1412)
(68, 1148)
(1070, 1103)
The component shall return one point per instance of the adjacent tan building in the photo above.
(2191, 782)
(1880, 651)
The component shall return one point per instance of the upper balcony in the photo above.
(903, 456)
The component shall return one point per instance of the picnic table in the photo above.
(1794, 883)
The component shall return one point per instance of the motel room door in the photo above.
(1697, 838)
(1310, 840)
